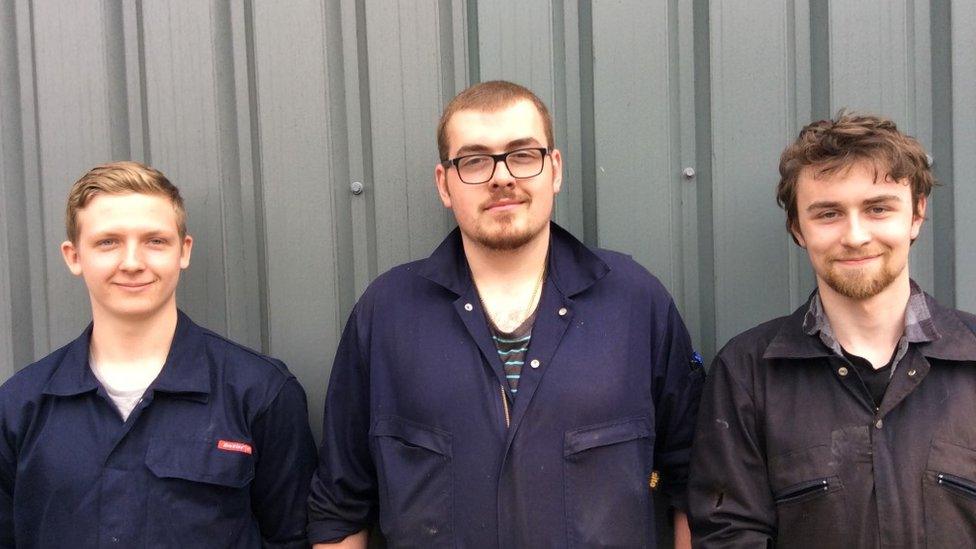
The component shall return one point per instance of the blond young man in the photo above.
(516, 388)
(148, 430)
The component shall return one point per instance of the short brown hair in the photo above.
(120, 178)
(488, 97)
(829, 146)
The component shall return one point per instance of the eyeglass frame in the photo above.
(503, 157)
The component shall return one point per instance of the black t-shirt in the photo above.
(875, 380)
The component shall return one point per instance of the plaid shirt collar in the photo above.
(918, 324)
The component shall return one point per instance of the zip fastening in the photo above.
(508, 420)
(957, 484)
(819, 485)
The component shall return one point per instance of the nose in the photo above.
(857, 233)
(502, 177)
(132, 260)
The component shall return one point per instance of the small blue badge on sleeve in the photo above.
(697, 362)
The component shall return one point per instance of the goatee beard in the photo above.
(860, 285)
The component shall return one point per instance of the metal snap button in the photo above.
(912, 372)
(468, 307)
(878, 424)
(563, 311)
(534, 363)
(842, 371)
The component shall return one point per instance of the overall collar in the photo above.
(185, 371)
(572, 266)
(936, 331)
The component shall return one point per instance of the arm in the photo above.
(8, 469)
(285, 453)
(355, 541)
(678, 379)
(729, 496)
(343, 499)
(682, 534)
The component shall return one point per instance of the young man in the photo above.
(514, 389)
(148, 430)
(849, 423)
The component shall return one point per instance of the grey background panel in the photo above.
(752, 113)
(266, 113)
(875, 68)
(636, 136)
(963, 184)
(405, 76)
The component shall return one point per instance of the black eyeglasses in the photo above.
(475, 169)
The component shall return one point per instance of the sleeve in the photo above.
(8, 470)
(729, 498)
(343, 497)
(677, 388)
(285, 452)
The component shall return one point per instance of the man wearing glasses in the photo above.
(515, 388)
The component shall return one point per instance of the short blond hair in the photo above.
(122, 177)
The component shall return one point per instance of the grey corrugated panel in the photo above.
(188, 141)
(302, 158)
(531, 43)
(875, 49)
(752, 119)
(964, 143)
(405, 102)
(15, 336)
(638, 135)
(75, 132)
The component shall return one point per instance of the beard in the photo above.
(503, 232)
(504, 235)
(862, 283)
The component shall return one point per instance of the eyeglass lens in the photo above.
(521, 164)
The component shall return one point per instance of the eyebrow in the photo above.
(881, 199)
(511, 145)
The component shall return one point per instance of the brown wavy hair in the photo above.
(827, 147)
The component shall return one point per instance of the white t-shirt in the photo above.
(124, 394)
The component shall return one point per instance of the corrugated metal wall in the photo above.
(670, 114)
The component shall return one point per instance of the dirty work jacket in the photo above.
(415, 418)
(791, 451)
(218, 453)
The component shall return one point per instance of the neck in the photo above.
(504, 268)
(132, 341)
(871, 327)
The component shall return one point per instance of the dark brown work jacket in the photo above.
(791, 452)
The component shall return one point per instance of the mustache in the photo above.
(504, 195)
(859, 255)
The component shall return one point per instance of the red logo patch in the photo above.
(231, 446)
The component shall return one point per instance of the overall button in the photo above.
(563, 311)
(534, 363)
(912, 372)
(468, 307)
(842, 371)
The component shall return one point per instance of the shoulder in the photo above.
(26, 387)
(626, 273)
(237, 357)
(746, 350)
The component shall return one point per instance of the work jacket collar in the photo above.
(949, 337)
(572, 266)
(183, 373)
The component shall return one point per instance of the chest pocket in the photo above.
(413, 463)
(607, 469)
(810, 499)
(198, 489)
(949, 494)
